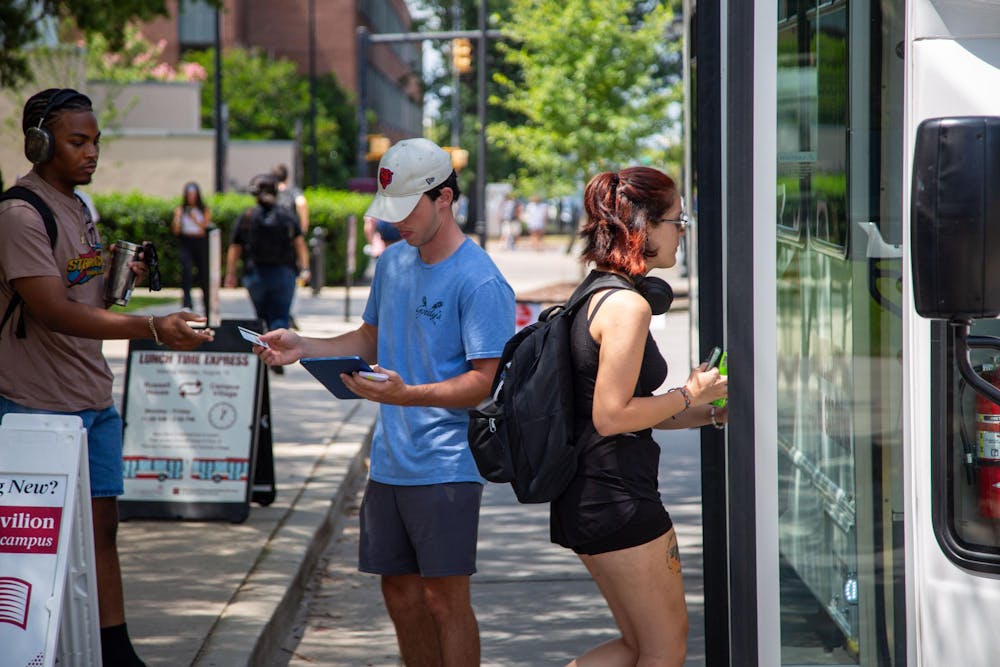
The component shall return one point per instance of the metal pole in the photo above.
(361, 161)
(220, 157)
(481, 111)
(456, 96)
(313, 166)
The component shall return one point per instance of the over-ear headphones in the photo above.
(656, 291)
(39, 144)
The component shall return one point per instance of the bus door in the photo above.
(839, 333)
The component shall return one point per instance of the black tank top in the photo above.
(616, 472)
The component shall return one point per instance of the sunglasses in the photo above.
(683, 222)
(152, 260)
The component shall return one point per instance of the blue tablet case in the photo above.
(328, 369)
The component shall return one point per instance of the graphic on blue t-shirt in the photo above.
(433, 313)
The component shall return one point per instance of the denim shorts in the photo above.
(429, 529)
(104, 444)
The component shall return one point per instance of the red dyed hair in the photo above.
(619, 207)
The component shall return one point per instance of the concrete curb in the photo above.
(257, 618)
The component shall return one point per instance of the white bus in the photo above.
(852, 510)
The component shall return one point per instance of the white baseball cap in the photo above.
(406, 171)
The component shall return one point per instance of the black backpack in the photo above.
(270, 235)
(24, 194)
(525, 432)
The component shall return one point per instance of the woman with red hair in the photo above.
(611, 514)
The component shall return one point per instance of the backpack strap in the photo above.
(26, 195)
(595, 283)
(600, 302)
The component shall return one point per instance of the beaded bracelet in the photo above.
(685, 394)
(152, 328)
(717, 425)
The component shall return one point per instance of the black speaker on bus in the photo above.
(955, 218)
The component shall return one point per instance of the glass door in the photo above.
(839, 333)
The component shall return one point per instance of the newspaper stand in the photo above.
(197, 436)
(48, 584)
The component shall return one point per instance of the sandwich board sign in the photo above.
(48, 584)
(195, 423)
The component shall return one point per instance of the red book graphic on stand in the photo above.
(15, 596)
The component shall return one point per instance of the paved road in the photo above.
(534, 601)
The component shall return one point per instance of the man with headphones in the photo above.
(52, 274)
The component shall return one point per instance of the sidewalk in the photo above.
(222, 594)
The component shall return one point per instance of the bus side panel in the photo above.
(950, 75)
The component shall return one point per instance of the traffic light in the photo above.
(461, 55)
(459, 157)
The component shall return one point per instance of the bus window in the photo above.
(967, 483)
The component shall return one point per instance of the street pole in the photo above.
(220, 137)
(456, 83)
(361, 161)
(313, 164)
(481, 112)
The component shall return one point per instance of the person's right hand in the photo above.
(706, 386)
(229, 281)
(175, 332)
(285, 347)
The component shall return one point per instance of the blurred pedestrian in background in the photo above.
(536, 215)
(290, 197)
(510, 222)
(268, 241)
(380, 235)
(190, 225)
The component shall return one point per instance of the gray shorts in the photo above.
(429, 530)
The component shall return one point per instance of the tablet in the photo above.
(328, 369)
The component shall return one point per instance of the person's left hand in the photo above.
(392, 391)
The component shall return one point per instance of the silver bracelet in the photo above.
(717, 425)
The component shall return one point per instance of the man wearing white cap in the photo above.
(437, 318)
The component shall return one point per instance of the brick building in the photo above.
(282, 29)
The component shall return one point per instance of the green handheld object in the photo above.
(723, 370)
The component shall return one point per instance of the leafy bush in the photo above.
(139, 217)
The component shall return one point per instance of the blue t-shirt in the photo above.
(433, 319)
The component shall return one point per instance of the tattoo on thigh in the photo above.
(673, 554)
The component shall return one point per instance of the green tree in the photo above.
(592, 88)
(268, 99)
(437, 15)
(21, 24)
(264, 96)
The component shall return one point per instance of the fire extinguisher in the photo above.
(988, 448)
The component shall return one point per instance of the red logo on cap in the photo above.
(384, 177)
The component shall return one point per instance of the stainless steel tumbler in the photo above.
(121, 279)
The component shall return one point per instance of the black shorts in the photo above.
(649, 522)
(429, 530)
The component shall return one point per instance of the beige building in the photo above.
(151, 140)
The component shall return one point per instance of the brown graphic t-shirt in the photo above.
(49, 370)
